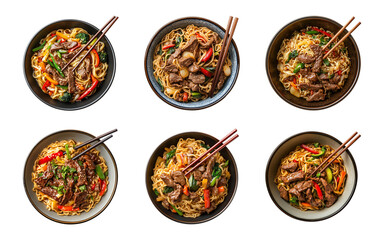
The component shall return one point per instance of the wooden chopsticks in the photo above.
(220, 144)
(223, 53)
(95, 145)
(341, 40)
(109, 24)
(342, 147)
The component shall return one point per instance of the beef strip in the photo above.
(283, 193)
(192, 44)
(310, 86)
(175, 195)
(175, 78)
(220, 83)
(214, 191)
(63, 45)
(317, 96)
(295, 192)
(80, 200)
(306, 73)
(82, 180)
(167, 180)
(58, 182)
(197, 175)
(71, 80)
(302, 186)
(317, 50)
(222, 182)
(87, 159)
(186, 61)
(68, 191)
(211, 207)
(50, 192)
(323, 76)
(84, 69)
(330, 197)
(336, 79)
(194, 68)
(178, 177)
(171, 68)
(208, 172)
(207, 44)
(290, 167)
(314, 202)
(293, 177)
(194, 196)
(48, 174)
(317, 65)
(330, 86)
(193, 86)
(305, 58)
(196, 78)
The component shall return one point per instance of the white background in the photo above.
(263, 120)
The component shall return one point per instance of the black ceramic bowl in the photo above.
(81, 137)
(45, 98)
(283, 150)
(182, 23)
(209, 140)
(286, 32)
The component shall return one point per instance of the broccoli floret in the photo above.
(83, 37)
(66, 97)
(103, 57)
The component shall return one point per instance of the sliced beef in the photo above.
(211, 207)
(207, 44)
(194, 196)
(70, 55)
(178, 177)
(216, 37)
(317, 50)
(171, 68)
(48, 174)
(175, 195)
(192, 44)
(336, 79)
(58, 182)
(214, 191)
(317, 96)
(175, 78)
(310, 86)
(291, 167)
(330, 86)
(330, 197)
(71, 80)
(89, 162)
(80, 200)
(316, 203)
(50, 192)
(84, 69)
(194, 68)
(167, 180)
(305, 58)
(306, 73)
(317, 65)
(197, 175)
(295, 192)
(62, 45)
(223, 181)
(208, 172)
(82, 180)
(186, 61)
(220, 83)
(323, 76)
(302, 186)
(68, 192)
(193, 86)
(283, 193)
(293, 177)
(196, 78)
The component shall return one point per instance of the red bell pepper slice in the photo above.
(168, 46)
(75, 47)
(206, 72)
(103, 185)
(208, 55)
(201, 37)
(318, 190)
(309, 149)
(50, 157)
(97, 57)
(339, 72)
(90, 89)
(323, 32)
(45, 85)
(207, 202)
(185, 97)
(67, 208)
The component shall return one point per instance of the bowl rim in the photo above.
(185, 220)
(62, 221)
(336, 101)
(329, 215)
(71, 108)
(165, 99)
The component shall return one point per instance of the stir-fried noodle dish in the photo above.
(55, 51)
(199, 192)
(67, 186)
(185, 61)
(321, 190)
(304, 72)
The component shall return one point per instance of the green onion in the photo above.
(326, 62)
(156, 192)
(39, 47)
(177, 210)
(67, 151)
(82, 188)
(100, 172)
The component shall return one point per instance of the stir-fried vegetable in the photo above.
(103, 57)
(99, 172)
(196, 94)
(318, 190)
(341, 180)
(206, 72)
(66, 97)
(208, 55)
(67, 208)
(156, 192)
(193, 186)
(167, 189)
(185, 190)
(319, 154)
(103, 185)
(39, 47)
(326, 62)
(57, 67)
(84, 38)
(168, 156)
(50, 157)
(96, 57)
(168, 46)
(328, 171)
(216, 173)
(207, 202)
(177, 210)
(67, 151)
(292, 55)
(309, 149)
(83, 188)
(298, 67)
(90, 89)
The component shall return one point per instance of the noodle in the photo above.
(185, 152)
(59, 162)
(182, 36)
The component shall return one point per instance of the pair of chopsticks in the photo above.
(342, 147)
(108, 25)
(93, 140)
(219, 145)
(341, 40)
(223, 53)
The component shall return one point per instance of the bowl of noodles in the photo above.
(298, 71)
(180, 62)
(66, 190)
(47, 55)
(310, 197)
(196, 197)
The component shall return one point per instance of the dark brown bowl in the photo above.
(232, 186)
(286, 32)
(45, 98)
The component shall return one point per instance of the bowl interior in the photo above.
(283, 150)
(286, 32)
(102, 88)
(182, 23)
(232, 185)
(78, 136)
